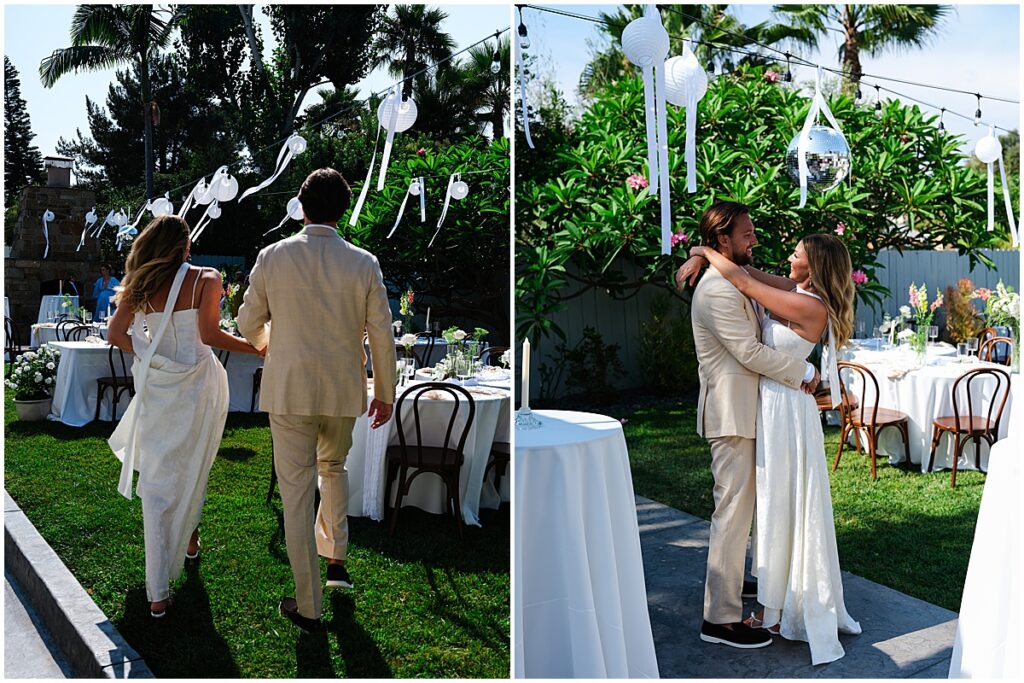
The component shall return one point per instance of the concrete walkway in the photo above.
(29, 650)
(903, 637)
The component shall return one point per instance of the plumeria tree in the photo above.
(586, 214)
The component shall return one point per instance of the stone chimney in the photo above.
(58, 171)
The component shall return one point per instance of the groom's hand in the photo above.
(380, 412)
(809, 387)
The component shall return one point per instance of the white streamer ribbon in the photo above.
(818, 104)
(691, 131)
(366, 183)
(47, 217)
(652, 130)
(90, 220)
(109, 220)
(522, 92)
(401, 209)
(392, 124)
(830, 368)
(1006, 200)
(198, 190)
(293, 146)
(208, 217)
(444, 211)
(423, 201)
(662, 130)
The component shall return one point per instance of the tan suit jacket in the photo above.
(321, 293)
(731, 357)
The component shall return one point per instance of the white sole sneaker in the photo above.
(742, 646)
(339, 584)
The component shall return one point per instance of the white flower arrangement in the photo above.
(506, 358)
(905, 312)
(905, 334)
(459, 335)
(34, 374)
(408, 340)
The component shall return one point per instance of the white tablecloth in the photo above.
(46, 333)
(925, 394)
(54, 304)
(987, 643)
(82, 363)
(580, 596)
(491, 423)
(7, 307)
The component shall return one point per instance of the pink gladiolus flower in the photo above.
(637, 182)
(771, 76)
(679, 237)
(914, 299)
(983, 293)
(859, 277)
(937, 302)
(840, 228)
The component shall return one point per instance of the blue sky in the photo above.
(978, 50)
(31, 32)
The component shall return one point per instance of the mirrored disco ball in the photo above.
(828, 159)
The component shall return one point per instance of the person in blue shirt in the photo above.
(103, 290)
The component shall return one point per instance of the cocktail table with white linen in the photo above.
(580, 597)
(925, 393)
(52, 305)
(367, 469)
(74, 391)
(46, 333)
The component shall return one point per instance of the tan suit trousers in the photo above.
(305, 446)
(732, 466)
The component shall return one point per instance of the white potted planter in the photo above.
(33, 411)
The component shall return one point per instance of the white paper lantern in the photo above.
(645, 40)
(406, 113)
(295, 209)
(414, 188)
(988, 149)
(91, 217)
(161, 207)
(228, 189)
(48, 216)
(121, 219)
(214, 211)
(296, 144)
(684, 75)
(459, 190)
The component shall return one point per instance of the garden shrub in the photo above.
(962, 319)
(668, 360)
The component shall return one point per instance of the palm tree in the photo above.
(873, 28)
(108, 36)
(409, 40)
(492, 90)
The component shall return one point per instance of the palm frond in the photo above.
(98, 25)
(75, 59)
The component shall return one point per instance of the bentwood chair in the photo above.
(118, 382)
(77, 332)
(491, 355)
(12, 345)
(972, 427)
(861, 418)
(500, 456)
(424, 352)
(445, 460)
(997, 350)
(987, 334)
(65, 326)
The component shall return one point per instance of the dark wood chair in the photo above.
(996, 350)
(987, 334)
(12, 345)
(77, 333)
(118, 382)
(500, 456)
(972, 427)
(425, 351)
(444, 461)
(860, 417)
(65, 326)
(222, 356)
(491, 355)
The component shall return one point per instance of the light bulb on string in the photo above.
(788, 77)
(496, 63)
(860, 95)
(942, 113)
(878, 103)
(524, 40)
(977, 113)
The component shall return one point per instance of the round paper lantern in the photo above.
(297, 144)
(120, 219)
(459, 190)
(828, 159)
(48, 216)
(414, 188)
(161, 207)
(683, 76)
(227, 189)
(91, 217)
(406, 113)
(295, 209)
(988, 149)
(645, 40)
(214, 211)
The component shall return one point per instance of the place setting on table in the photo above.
(580, 598)
(460, 400)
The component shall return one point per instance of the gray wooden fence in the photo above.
(619, 321)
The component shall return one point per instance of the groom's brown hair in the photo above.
(325, 196)
(718, 220)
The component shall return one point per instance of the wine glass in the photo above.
(933, 333)
(400, 371)
(972, 346)
(464, 369)
(860, 329)
(876, 336)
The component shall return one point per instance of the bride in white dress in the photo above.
(172, 428)
(797, 560)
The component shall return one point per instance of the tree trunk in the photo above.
(256, 54)
(148, 122)
(410, 69)
(851, 52)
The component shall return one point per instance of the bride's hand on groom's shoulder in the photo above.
(689, 271)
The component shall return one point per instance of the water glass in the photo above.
(962, 350)
(972, 345)
(876, 336)
(860, 329)
(464, 369)
(933, 333)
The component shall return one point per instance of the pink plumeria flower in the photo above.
(840, 228)
(421, 151)
(937, 302)
(859, 277)
(679, 237)
(771, 76)
(637, 182)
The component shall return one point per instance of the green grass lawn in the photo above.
(425, 604)
(907, 530)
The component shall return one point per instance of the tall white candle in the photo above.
(61, 287)
(427, 324)
(525, 403)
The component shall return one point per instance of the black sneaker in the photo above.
(290, 609)
(337, 576)
(749, 589)
(740, 635)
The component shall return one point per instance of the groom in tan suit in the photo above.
(321, 294)
(731, 357)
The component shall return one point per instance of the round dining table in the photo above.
(46, 333)
(580, 594)
(924, 393)
(52, 305)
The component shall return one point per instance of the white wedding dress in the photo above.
(796, 559)
(174, 432)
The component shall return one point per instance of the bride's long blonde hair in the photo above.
(832, 277)
(156, 255)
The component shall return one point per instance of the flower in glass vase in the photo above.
(405, 307)
(1002, 308)
(923, 312)
(34, 374)
(408, 341)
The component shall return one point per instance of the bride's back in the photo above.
(181, 341)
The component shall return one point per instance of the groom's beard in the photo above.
(741, 258)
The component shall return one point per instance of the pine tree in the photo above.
(23, 163)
